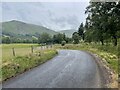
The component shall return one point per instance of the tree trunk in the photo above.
(115, 40)
(102, 42)
(83, 37)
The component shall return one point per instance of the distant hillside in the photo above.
(20, 28)
(68, 33)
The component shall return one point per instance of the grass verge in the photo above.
(21, 64)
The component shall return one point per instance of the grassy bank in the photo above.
(108, 53)
(14, 65)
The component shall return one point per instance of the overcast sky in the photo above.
(54, 15)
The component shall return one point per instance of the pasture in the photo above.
(20, 50)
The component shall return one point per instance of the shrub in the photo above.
(63, 43)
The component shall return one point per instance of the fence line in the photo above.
(33, 49)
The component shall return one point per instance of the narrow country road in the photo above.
(70, 69)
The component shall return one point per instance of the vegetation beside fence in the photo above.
(25, 60)
(19, 50)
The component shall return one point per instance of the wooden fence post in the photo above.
(41, 47)
(51, 45)
(47, 46)
(13, 51)
(32, 49)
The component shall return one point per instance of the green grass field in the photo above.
(24, 59)
(20, 50)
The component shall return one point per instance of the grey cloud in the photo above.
(52, 15)
(58, 20)
(72, 21)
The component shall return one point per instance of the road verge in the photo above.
(21, 64)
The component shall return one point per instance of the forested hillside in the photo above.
(18, 27)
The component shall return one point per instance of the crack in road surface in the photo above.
(70, 69)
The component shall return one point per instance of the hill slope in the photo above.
(68, 33)
(20, 28)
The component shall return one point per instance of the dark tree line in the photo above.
(43, 38)
(55, 39)
(102, 23)
(8, 40)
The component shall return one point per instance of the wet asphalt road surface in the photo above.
(69, 69)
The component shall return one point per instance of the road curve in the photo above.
(70, 69)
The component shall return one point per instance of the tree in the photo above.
(75, 37)
(104, 20)
(63, 43)
(44, 38)
(114, 21)
(68, 40)
(6, 40)
(58, 38)
(81, 31)
(34, 39)
(25, 41)
(95, 18)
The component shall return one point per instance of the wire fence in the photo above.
(32, 49)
